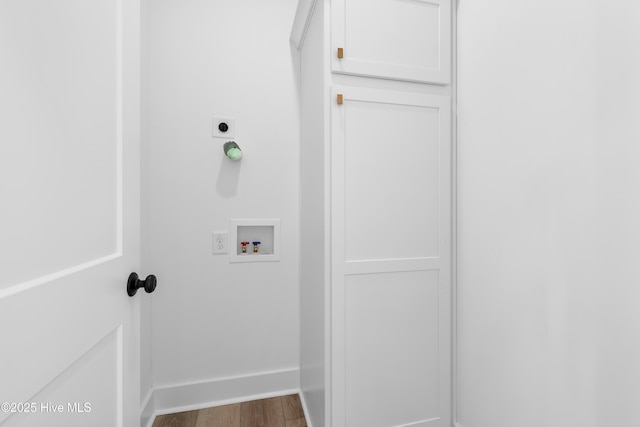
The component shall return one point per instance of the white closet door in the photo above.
(69, 222)
(395, 39)
(391, 258)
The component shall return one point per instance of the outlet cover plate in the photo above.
(231, 127)
(220, 242)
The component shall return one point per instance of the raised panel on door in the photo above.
(393, 349)
(59, 127)
(69, 162)
(392, 194)
(391, 258)
(68, 400)
(394, 39)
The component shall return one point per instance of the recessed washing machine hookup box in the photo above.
(254, 240)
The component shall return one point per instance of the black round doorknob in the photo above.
(134, 283)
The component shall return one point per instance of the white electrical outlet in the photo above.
(219, 243)
(224, 127)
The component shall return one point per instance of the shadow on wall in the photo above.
(227, 183)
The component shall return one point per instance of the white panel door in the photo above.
(391, 258)
(394, 39)
(69, 216)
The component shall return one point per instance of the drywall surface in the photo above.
(549, 172)
(212, 319)
(314, 227)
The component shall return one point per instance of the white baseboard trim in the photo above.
(304, 408)
(168, 399)
(147, 410)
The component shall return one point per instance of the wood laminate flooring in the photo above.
(284, 411)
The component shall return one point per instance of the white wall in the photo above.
(212, 319)
(549, 208)
(314, 179)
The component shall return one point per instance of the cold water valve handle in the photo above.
(134, 283)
